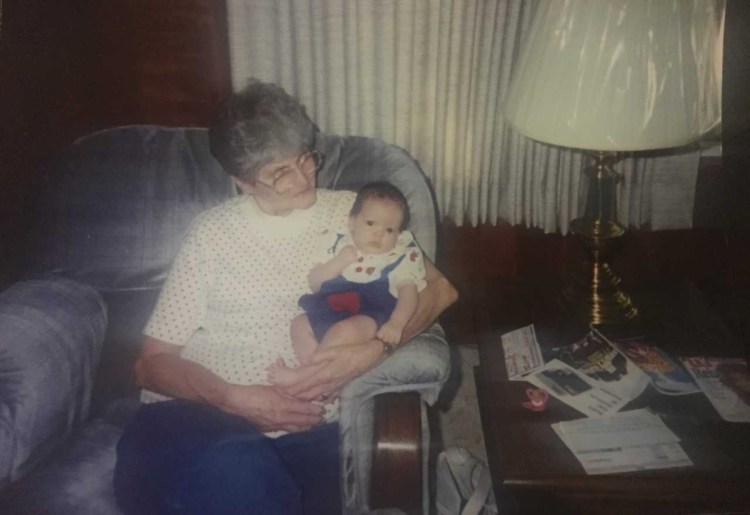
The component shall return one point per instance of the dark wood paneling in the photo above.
(160, 62)
(472, 256)
(42, 69)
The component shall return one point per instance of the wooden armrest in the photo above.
(396, 480)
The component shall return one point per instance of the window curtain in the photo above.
(430, 76)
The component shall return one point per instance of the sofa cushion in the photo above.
(127, 314)
(77, 479)
(118, 203)
(51, 333)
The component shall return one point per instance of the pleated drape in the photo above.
(430, 76)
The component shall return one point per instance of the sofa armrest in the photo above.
(51, 334)
(421, 366)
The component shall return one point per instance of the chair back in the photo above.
(118, 203)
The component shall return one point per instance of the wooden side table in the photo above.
(528, 460)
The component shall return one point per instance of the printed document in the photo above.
(622, 442)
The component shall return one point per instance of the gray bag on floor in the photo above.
(464, 485)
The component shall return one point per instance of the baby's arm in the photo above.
(323, 272)
(406, 305)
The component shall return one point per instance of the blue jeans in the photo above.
(182, 457)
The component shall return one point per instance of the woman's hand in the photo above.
(269, 410)
(390, 332)
(161, 368)
(339, 365)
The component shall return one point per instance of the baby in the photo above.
(367, 290)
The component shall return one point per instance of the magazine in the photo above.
(522, 353)
(576, 389)
(595, 357)
(667, 376)
(590, 375)
(726, 383)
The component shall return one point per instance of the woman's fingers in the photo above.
(269, 410)
(295, 429)
(318, 391)
(314, 383)
(330, 397)
(302, 408)
(323, 383)
(339, 365)
(311, 388)
(298, 421)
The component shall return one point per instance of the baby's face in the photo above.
(377, 226)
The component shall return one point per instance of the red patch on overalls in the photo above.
(347, 301)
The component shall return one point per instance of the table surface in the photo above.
(528, 458)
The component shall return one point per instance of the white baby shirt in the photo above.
(368, 267)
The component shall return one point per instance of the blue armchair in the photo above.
(110, 221)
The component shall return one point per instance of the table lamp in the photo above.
(614, 76)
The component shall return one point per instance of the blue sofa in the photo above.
(109, 222)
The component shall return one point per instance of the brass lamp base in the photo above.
(594, 293)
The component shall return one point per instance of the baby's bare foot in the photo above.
(274, 368)
(279, 373)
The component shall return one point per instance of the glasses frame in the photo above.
(318, 158)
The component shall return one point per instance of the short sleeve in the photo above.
(411, 268)
(182, 303)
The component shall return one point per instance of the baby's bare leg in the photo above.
(304, 342)
(355, 329)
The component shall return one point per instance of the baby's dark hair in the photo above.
(382, 190)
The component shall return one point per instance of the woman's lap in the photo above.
(182, 457)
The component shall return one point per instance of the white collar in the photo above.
(278, 226)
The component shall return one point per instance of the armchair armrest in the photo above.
(421, 366)
(51, 334)
(396, 479)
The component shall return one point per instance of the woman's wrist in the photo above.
(388, 348)
(232, 400)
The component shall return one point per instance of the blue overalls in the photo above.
(340, 298)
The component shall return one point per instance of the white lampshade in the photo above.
(619, 74)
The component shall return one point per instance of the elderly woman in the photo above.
(213, 436)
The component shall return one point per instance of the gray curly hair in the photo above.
(258, 125)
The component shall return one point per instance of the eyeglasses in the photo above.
(308, 163)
